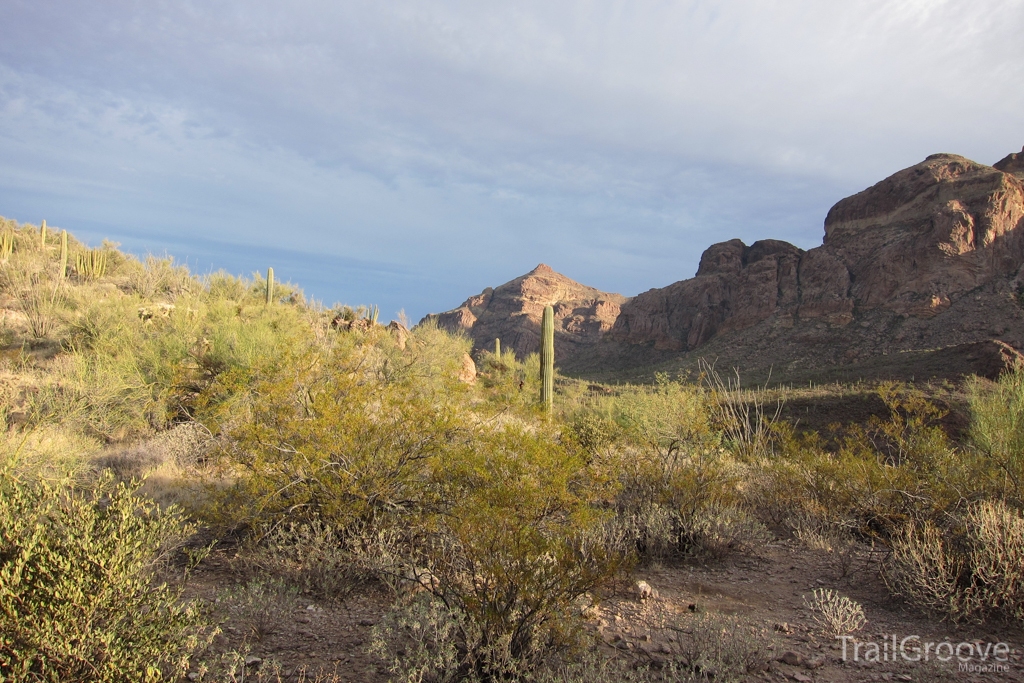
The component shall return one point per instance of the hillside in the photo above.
(212, 479)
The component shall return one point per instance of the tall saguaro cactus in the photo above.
(497, 348)
(42, 236)
(270, 286)
(547, 358)
(63, 253)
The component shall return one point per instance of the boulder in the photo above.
(467, 373)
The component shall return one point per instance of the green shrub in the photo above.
(158, 277)
(79, 597)
(52, 452)
(344, 434)
(509, 383)
(493, 521)
(882, 474)
(512, 548)
(997, 430)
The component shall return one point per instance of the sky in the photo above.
(408, 154)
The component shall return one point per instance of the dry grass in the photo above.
(969, 571)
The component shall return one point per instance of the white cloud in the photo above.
(486, 136)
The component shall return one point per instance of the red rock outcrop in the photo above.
(1012, 163)
(929, 258)
(928, 233)
(735, 287)
(910, 246)
(512, 313)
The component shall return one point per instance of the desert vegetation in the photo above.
(153, 417)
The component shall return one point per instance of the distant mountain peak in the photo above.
(512, 312)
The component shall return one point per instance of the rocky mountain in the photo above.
(512, 312)
(929, 258)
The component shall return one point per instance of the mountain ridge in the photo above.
(927, 258)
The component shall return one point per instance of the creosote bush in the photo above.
(514, 548)
(997, 430)
(882, 475)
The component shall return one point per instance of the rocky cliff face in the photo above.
(1013, 163)
(512, 313)
(931, 257)
(736, 286)
(946, 231)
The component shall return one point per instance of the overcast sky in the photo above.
(409, 154)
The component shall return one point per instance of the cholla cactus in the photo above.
(834, 613)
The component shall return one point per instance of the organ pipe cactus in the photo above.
(91, 264)
(270, 286)
(547, 359)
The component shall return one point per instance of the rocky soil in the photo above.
(763, 592)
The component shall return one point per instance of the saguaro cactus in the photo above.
(547, 358)
(497, 348)
(63, 253)
(270, 286)
(42, 236)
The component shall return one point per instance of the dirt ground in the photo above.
(765, 590)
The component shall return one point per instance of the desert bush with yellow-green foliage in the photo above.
(354, 455)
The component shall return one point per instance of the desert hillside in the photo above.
(211, 478)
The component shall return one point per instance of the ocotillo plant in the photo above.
(42, 236)
(63, 254)
(270, 286)
(547, 359)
